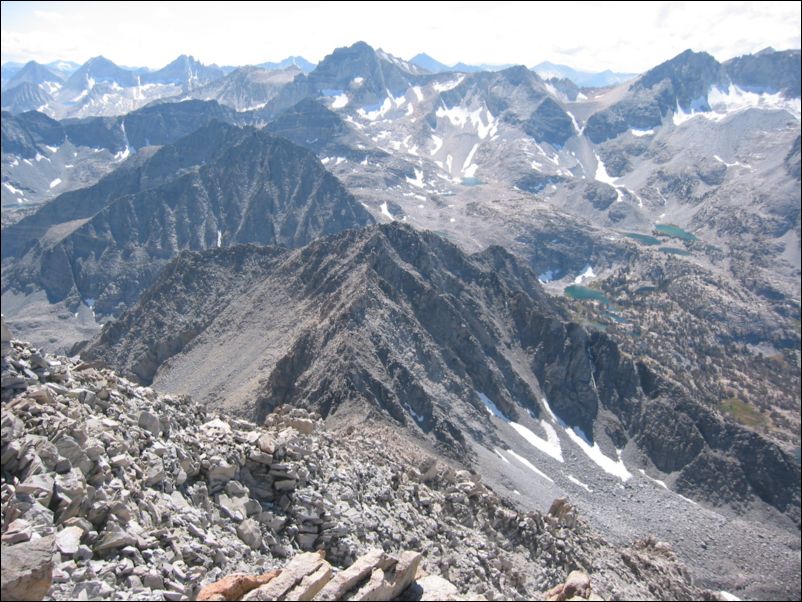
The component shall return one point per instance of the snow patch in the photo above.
(547, 276)
(461, 117)
(578, 129)
(555, 92)
(399, 101)
(219, 239)
(468, 167)
(736, 164)
(641, 133)
(449, 85)
(658, 481)
(255, 107)
(735, 99)
(601, 175)
(375, 114)
(615, 468)
(340, 101)
(418, 181)
(418, 93)
(500, 455)
(586, 273)
(601, 172)
(438, 144)
(726, 102)
(549, 446)
(729, 596)
(122, 155)
(491, 407)
(11, 189)
(55, 182)
(415, 415)
(386, 211)
(529, 465)
(576, 481)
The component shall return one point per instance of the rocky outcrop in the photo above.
(682, 81)
(374, 576)
(220, 186)
(311, 125)
(767, 70)
(576, 587)
(27, 134)
(234, 587)
(27, 569)
(24, 98)
(246, 88)
(145, 495)
(379, 76)
(471, 324)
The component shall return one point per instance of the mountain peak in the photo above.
(691, 74)
(33, 73)
(99, 60)
(361, 46)
(425, 61)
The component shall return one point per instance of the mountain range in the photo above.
(585, 289)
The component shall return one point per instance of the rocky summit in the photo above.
(111, 490)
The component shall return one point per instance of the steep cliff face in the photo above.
(399, 324)
(219, 186)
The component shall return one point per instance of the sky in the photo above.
(594, 36)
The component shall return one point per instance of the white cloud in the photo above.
(625, 36)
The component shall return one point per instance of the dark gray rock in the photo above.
(767, 71)
(295, 201)
(679, 82)
(600, 195)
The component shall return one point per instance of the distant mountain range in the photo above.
(546, 70)
(291, 61)
(583, 79)
(425, 61)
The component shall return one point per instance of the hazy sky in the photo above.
(623, 36)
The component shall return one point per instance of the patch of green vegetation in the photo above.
(743, 412)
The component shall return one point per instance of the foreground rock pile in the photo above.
(374, 576)
(116, 492)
